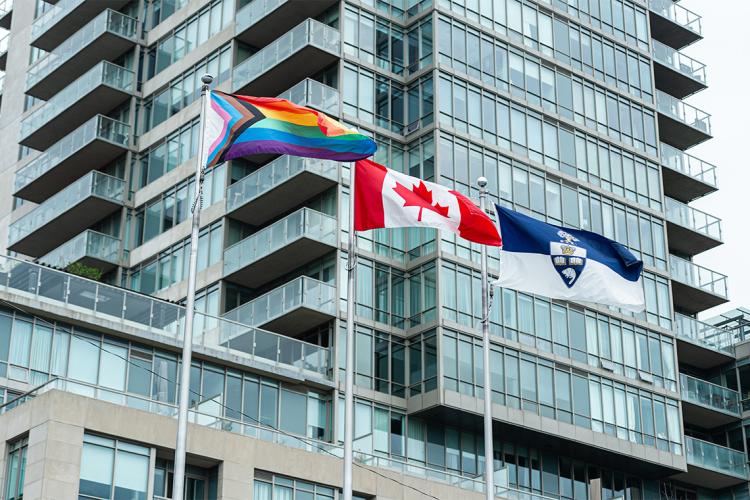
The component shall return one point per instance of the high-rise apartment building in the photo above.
(572, 109)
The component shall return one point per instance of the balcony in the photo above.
(4, 51)
(686, 177)
(306, 49)
(680, 124)
(696, 288)
(99, 90)
(106, 37)
(281, 185)
(676, 73)
(6, 13)
(702, 345)
(262, 21)
(313, 94)
(708, 405)
(691, 231)
(92, 145)
(91, 248)
(713, 466)
(66, 17)
(295, 240)
(673, 24)
(291, 309)
(85, 202)
(56, 293)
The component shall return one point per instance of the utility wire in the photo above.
(251, 418)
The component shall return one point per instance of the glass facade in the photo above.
(573, 111)
(16, 469)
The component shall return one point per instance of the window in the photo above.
(16, 469)
(113, 469)
(269, 486)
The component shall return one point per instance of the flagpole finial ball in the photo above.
(207, 79)
(482, 182)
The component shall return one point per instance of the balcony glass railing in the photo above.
(702, 333)
(275, 173)
(104, 73)
(689, 165)
(683, 112)
(678, 61)
(52, 16)
(309, 32)
(692, 274)
(704, 393)
(143, 312)
(304, 223)
(92, 184)
(4, 43)
(89, 243)
(677, 14)
(716, 458)
(254, 429)
(109, 20)
(313, 94)
(693, 219)
(254, 12)
(300, 292)
(99, 127)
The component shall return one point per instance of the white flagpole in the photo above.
(187, 346)
(349, 384)
(489, 466)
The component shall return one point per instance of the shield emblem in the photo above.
(568, 260)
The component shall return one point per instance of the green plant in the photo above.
(85, 271)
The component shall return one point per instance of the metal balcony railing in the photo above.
(704, 334)
(693, 219)
(98, 127)
(90, 244)
(678, 61)
(704, 393)
(273, 174)
(683, 112)
(42, 284)
(304, 223)
(92, 184)
(691, 274)
(300, 292)
(254, 12)
(313, 94)
(309, 32)
(716, 458)
(51, 17)
(104, 73)
(689, 165)
(677, 14)
(109, 20)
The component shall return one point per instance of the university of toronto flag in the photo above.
(569, 264)
(237, 125)
(386, 198)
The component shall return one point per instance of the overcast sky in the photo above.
(725, 51)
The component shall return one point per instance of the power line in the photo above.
(251, 418)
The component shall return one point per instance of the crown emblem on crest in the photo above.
(567, 250)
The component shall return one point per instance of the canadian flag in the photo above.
(386, 198)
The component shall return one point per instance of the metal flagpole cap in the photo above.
(482, 182)
(207, 79)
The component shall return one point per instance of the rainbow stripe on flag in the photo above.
(239, 126)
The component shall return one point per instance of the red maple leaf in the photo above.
(420, 196)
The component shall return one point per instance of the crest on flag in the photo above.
(568, 258)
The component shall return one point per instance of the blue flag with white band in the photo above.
(569, 264)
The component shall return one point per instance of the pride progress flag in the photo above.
(239, 126)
